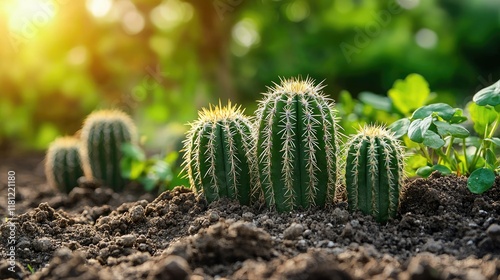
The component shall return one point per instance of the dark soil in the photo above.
(442, 232)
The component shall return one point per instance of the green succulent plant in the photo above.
(374, 172)
(297, 147)
(102, 135)
(218, 156)
(63, 164)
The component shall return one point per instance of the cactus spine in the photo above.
(374, 172)
(63, 164)
(103, 134)
(218, 158)
(297, 145)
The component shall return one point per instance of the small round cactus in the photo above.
(297, 147)
(63, 164)
(102, 135)
(218, 159)
(374, 172)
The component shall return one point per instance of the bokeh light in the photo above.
(99, 8)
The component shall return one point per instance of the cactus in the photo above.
(298, 141)
(218, 159)
(374, 172)
(63, 165)
(103, 134)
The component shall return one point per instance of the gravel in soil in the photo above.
(442, 232)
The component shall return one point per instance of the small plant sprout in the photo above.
(152, 173)
(218, 156)
(63, 164)
(31, 269)
(103, 134)
(297, 148)
(374, 172)
(434, 127)
(437, 130)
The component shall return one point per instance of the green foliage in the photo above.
(218, 154)
(448, 146)
(152, 173)
(103, 134)
(488, 96)
(374, 172)
(373, 108)
(409, 94)
(63, 164)
(297, 146)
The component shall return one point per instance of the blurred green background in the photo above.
(162, 60)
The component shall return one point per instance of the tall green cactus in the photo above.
(374, 172)
(218, 159)
(63, 164)
(297, 145)
(103, 134)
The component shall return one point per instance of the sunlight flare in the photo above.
(28, 15)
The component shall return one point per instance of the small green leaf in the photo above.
(31, 269)
(415, 161)
(433, 140)
(442, 169)
(488, 96)
(443, 110)
(481, 180)
(400, 127)
(424, 171)
(458, 117)
(494, 140)
(480, 163)
(131, 169)
(454, 130)
(482, 116)
(491, 158)
(418, 128)
(409, 94)
(132, 151)
(171, 157)
(376, 101)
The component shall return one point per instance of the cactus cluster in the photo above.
(217, 155)
(63, 164)
(95, 152)
(289, 155)
(374, 172)
(297, 145)
(102, 135)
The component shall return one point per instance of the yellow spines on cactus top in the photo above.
(374, 172)
(218, 155)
